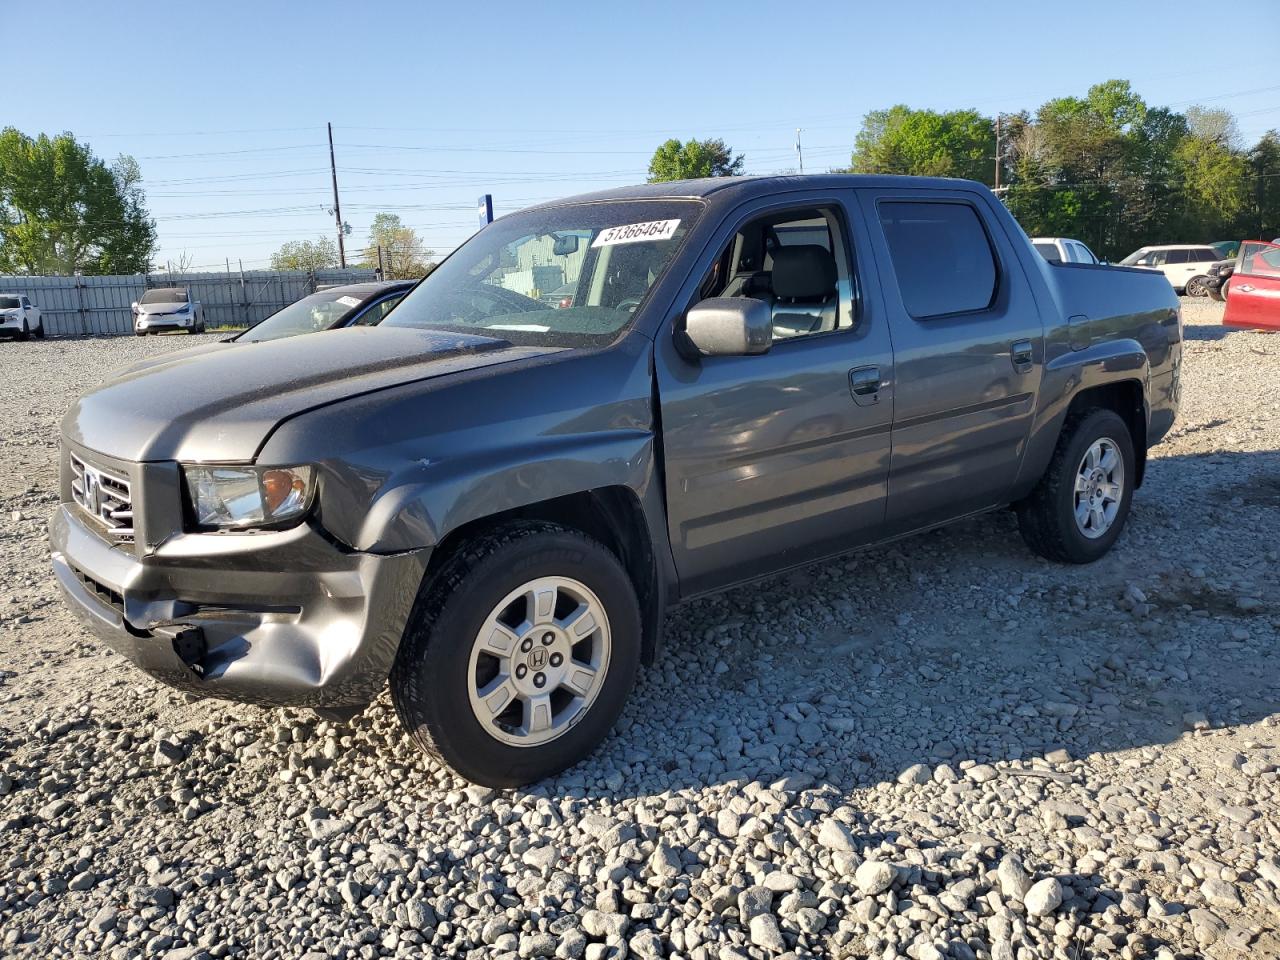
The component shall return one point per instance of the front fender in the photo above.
(421, 507)
(400, 468)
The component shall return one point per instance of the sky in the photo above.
(224, 104)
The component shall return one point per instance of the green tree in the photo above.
(693, 159)
(1263, 217)
(62, 209)
(317, 254)
(959, 143)
(404, 255)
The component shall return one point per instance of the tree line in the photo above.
(1106, 168)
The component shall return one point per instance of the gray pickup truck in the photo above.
(593, 409)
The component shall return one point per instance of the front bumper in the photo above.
(283, 618)
(168, 321)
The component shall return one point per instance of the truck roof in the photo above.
(749, 186)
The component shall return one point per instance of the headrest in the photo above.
(803, 272)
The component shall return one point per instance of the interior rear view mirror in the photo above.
(565, 244)
(730, 327)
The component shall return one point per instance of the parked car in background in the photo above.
(491, 501)
(1186, 265)
(1227, 249)
(1255, 287)
(346, 305)
(19, 317)
(335, 306)
(167, 308)
(1063, 250)
(1218, 278)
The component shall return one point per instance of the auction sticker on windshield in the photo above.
(636, 232)
(349, 301)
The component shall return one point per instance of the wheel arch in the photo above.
(1126, 398)
(612, 515)
(1114, 375)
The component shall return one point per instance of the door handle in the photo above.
(1021, 353)
(1245, 288)
(864, 384)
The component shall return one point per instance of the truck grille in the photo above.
(106, 497)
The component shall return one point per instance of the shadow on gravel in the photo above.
(961, 645)
(1204, 332)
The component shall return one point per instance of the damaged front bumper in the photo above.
(283, 618)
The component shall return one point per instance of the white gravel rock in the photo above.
(874, 877)
(1043, 897)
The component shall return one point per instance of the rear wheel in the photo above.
(1076, 512)
(1196, 287)
(519, 654)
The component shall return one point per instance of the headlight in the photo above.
(242, 497)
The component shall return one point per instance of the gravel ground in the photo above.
(945, 748)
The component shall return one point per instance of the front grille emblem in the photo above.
(106, 497)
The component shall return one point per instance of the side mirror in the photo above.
(565, 244)
(730, 327)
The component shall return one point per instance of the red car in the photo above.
(1255, 287)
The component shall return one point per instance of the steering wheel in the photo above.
(629, 304)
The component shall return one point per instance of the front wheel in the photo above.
(1076, 512)
(25, 332)
(40, 331)
(1196, 287)
(519, 654)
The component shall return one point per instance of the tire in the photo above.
(1196, 288)
(1047, 517)
(1215, 293)
(24, 333)
(485, 590)
(1225, 288)
(40, 330)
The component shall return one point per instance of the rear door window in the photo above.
(1048, 249)
(1177, 256)
(941, 256)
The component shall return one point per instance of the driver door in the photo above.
(773, 460)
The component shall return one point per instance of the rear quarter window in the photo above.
(941, 256)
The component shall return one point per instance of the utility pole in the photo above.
(799, 152)
(337, 209)
(997, 151)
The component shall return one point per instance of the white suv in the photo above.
(1186, 265)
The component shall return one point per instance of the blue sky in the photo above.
(224, 104)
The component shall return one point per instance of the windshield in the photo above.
(320, 311)
(165, 295)
(565, 276)
(1134, 257)
(9, 303)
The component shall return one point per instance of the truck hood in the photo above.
(220, 406)
(177, 355)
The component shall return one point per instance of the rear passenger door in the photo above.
(968, 349)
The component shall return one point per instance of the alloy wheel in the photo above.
(539, 661)
(1099, 488)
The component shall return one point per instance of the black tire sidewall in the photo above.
(1095, 426)
(429, 682)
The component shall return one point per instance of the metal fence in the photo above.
(102, 306)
